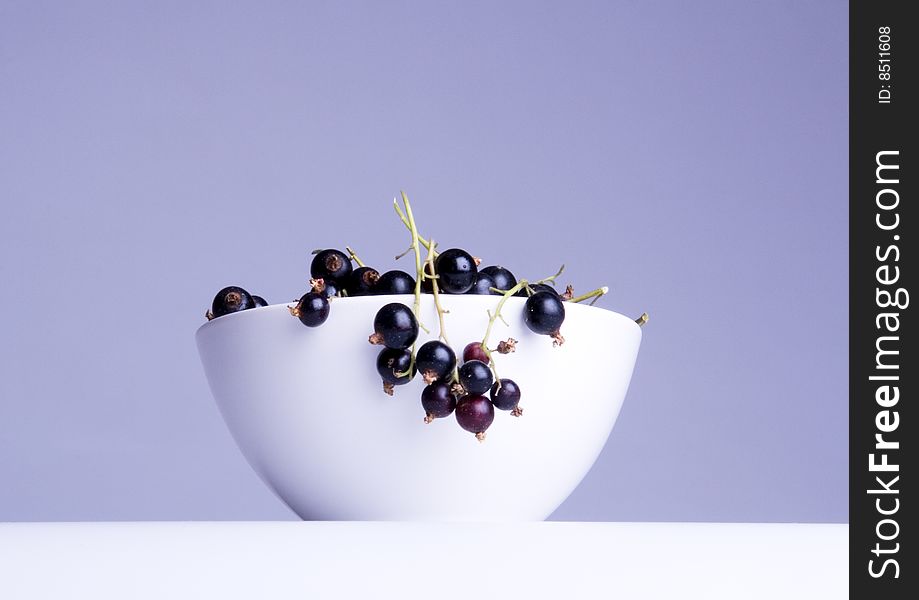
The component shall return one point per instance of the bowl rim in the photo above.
(411, 299)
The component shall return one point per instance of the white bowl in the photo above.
(307, 409)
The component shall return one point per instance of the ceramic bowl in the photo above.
(307, 409)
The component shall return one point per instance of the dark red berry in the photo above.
(474, 351)
(258, 301)
(475, 414)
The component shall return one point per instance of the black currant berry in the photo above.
(332, 265)
(483, 284)
(543, 287)
(435, 360)
(312, 309)
(537, 287)
(394, 282)
(544, 313)
(393, 365)
(438, 401)
(362, 281)
(504, 279)
(507, 396)
(394, 326)
(474, 351)
(258, 301)
(475, 414)
(456, 271)
(230, 300)
(325, 287)
(475, 377)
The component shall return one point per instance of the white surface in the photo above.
(307, 409)
(422, 560)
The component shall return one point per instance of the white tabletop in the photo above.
(422, 560)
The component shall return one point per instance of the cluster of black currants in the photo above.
(457, 273)
(448, 389)
(332, 276)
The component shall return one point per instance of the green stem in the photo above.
(494, 317)
(418, 269)
(436, 292)
(407, 222)
(553, 278)
(354, 257)
(596, 293)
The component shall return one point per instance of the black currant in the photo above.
(230, 300)
(474, 351)
(544, 313)
(483, 284)
(475, 377)
(438, 401)
(504, 279)
(394, 282)
(312, 309)
(507, 396)
(362, 281)
(393, 365)
(543, 287)
(456, 271)
(475, 414)
(435, 360)
(332, 265)
(258, 301)
(394, 326)
(325, 287)
(536, 287)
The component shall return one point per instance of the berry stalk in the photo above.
(435, 291)
(354, 257)
(419, 272)
(491, 322)
(408, 224)
(594, 294)
(553, 277)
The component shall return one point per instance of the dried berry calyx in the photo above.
(507, 346)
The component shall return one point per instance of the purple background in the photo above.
(692, 156)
